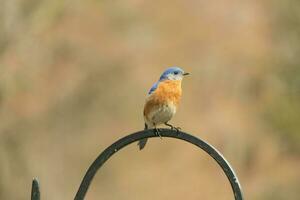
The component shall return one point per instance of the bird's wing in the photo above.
(152, 101)
(153, 88)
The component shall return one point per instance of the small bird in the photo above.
(162, 101)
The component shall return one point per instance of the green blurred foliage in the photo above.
(283, 111)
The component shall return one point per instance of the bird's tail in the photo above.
(142, 142)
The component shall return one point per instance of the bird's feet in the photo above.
(173, 127)
(157, 132)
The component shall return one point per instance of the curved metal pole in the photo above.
(112, 149)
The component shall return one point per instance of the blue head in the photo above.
(173, 73)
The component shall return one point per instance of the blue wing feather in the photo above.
(153, 88)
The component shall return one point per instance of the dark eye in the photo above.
(176, 72)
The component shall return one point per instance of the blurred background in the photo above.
(74, 76)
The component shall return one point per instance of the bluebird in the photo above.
(163, 100)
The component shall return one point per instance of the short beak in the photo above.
(185, 74)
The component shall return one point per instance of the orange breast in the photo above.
(167, 91)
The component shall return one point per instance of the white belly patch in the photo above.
(162, 115)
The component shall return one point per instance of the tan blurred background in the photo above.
(74, 76)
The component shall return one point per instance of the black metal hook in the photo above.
(115, 147)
